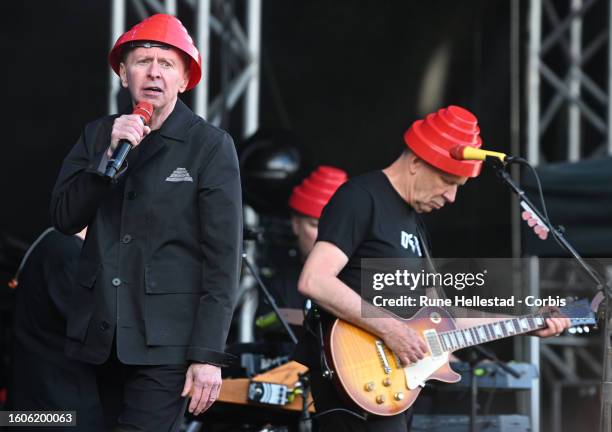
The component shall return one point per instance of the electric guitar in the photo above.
(375, 380)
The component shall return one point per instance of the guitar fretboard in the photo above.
(463, 338)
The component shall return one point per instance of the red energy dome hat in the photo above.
(313, 194)
(161, 28)
(435, 137)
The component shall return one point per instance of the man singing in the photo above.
(158, 275)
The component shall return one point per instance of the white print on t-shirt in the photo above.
(412, 241)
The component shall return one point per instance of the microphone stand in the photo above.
(269, 298)
(473, 361)
(305, 420)
(602, 286)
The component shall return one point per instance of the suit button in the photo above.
(126, 238)
(116, 281)
(131, 195)
(104, 326)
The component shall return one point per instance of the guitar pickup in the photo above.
(431, 337)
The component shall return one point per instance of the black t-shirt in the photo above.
(367, 218)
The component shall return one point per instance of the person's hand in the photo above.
(407, 344)
(556, 324)
(202, 383)
(128, 127)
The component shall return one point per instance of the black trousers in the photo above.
(326, 397)
(141, 398)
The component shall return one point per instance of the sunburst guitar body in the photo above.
(372, 376)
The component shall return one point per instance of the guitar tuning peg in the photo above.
(571, 330)
(587, 329)
(579, 329)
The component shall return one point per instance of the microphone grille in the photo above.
(144, 110)
(456, 152)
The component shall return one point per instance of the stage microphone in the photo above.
(472, 153)
(145, 111)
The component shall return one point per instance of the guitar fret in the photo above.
(509, 327)
(475, 334)
(482, 333)
(499, 331)
(468, 337)
(453, 340)
(460, 338)
(539, 321)
(524, 324)
(447, 342)
(441, 342)
(532, 325)
(491, 331)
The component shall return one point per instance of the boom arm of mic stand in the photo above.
(270, 299)
(505, 176)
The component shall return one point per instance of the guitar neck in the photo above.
(466, 337)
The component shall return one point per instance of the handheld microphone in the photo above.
(145, 111)
(471, 153)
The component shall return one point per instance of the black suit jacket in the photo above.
(161, 261)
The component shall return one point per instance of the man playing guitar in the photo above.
(375, 216)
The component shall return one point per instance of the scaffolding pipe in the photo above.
(202, 39)
(609, 136)
(117, 28)
(573, 125)
(171, 7)
(533, 86)
(251, 101)
(533, 157)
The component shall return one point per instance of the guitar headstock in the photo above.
(581, 314)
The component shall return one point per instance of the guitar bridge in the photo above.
(380, 349)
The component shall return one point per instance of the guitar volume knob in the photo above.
(369, 386)
(398, 396)
(387, 382)
(380, 399)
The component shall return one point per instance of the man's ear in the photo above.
(414, 163)
(185, 81)
(123, 75)
(295, 224)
